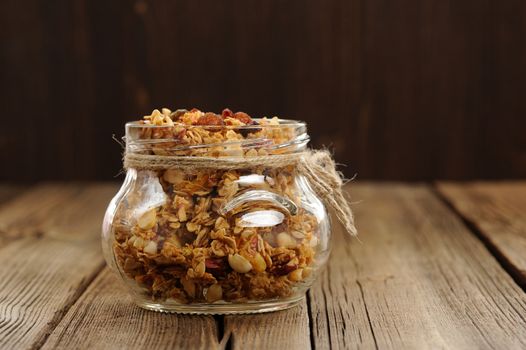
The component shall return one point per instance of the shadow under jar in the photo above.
(216, 241)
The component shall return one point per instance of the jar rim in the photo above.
(283, 123)
(297, 141)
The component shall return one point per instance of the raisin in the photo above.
(254, 243)
(243, 117)
(227, 113)
(246, 131)
(217, 267)
(210, 119)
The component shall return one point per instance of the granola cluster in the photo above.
(213, 238)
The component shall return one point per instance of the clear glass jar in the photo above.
(216, 241)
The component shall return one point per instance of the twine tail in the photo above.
(319, 169)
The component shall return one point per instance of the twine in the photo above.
(317, 166)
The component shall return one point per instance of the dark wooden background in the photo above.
(408, 89)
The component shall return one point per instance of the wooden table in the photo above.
(436, 266)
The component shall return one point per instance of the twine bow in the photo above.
(317, 166)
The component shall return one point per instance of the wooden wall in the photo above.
(407, 89)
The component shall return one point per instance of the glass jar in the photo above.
(213, 240)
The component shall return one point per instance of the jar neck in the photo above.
(216, 141)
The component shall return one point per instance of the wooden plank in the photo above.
(105, 318)
(50, 253)
(418, 279)
(8, 192)
(338, 312)
(35, 212)
(497, 211)
(288, 329)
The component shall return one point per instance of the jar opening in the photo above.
(264, 137)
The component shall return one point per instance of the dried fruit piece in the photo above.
(283, 269)
(214, 264)
(243, 117)
(226, 113)
(217, 267)
(211, 119)
(188, 286)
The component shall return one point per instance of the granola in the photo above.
(188, 247)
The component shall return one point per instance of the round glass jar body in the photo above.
(242, 240)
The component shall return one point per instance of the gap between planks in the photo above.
(420, 279)
(457, 197)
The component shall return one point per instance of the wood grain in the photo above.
(417, 89)
(50, 254)
(497, 211)
(106, 318)
(418, 279)
(288, 329)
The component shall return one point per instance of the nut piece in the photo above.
(297, 234)
(285, 240)
(214, 293)
(259, 263)
(173, 176)
(147, 220)
(239, 263)
(188, 286)
(150, 248)
(296, 275)
(200, 269)
(138, 243)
